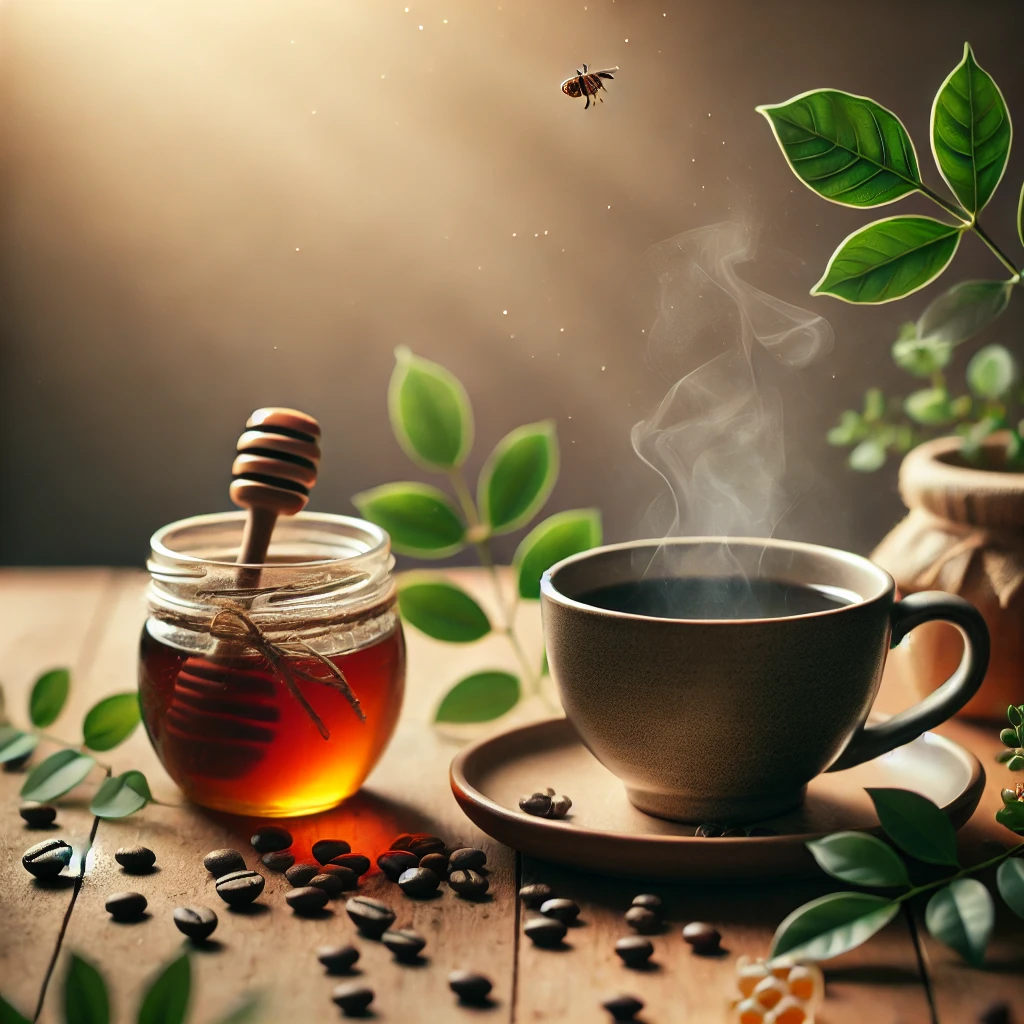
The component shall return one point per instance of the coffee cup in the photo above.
(715, 677)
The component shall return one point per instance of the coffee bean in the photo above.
(419, 843)
(372, 917)
(703, 937)
(307, 900)
(634, 950)
(237, 888)
(47, 859)
(352, 997)
(761, 830)
(734, 832)
(301, 874)
(126, 906)
(709, 830)
(271, 838)
(643, 920)
(394, 862)
(538, 804)
(998, 1013)
(470, 884)
(338, 959)
(327, 849)
(648, 900)
(37, 815)
(534, 895)
(561, 910)
(136, 860)
(197, 923)
(623, 1007)
(469, 987)
(545, 931)
(332, 885)
(559, 807)
(418, 882)
(436, 862)
(404, 943)
(355, 862)
(467, 860)
(278, 860)
(222, 862)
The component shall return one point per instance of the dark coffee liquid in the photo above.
(727, 597)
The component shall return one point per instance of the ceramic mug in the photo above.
(728, 719)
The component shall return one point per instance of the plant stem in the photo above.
(962, 873)
(999, 254)
(80, 747)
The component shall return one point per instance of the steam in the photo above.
(716, 438)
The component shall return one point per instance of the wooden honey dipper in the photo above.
(222, 717)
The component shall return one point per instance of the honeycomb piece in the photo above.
(790, 1010)
(770, 991)
(807, 983)
(749, 1011)
(748, 973)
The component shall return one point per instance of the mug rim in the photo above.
(549, 590)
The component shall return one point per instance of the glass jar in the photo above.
(271, 690)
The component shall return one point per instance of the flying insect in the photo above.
(588, 84)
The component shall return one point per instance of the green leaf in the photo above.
(1010, 880)
(557, 537)
(963, 311)
(929, 406)
(247, 1010)
(9, 1015)
(874, 405)
(442, 610)
(860, 859)
(111, 721)
(1013, 713)
(121, 795)
(971, 133)
(479, 698)
(992, 372)
(14, 743)
(849, 429)
(85, 994)
(921, 356)
(915, 825)
(430, 412)
(59, 773)
(48, 696)
(868, 456)
(961, 915)
(518, 477)
(166, 1002)
(1012, 817)
(1016, 763)
(1020, 216)
(847, 148)
(889, 259)
(831, 925)
(421, 520)
(1009, 737)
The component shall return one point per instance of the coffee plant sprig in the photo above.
(165, 1001)
(432, 420)
(853, 151)
(960, 911)
(107, 724)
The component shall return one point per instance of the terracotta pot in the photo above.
(964, 535)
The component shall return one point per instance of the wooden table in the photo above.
(90, 621)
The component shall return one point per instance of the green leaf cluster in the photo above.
(432, 419)
(1011, 814)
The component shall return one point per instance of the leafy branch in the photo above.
(432, 419)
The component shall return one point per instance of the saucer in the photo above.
(604, 832)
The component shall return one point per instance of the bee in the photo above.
(587, 83)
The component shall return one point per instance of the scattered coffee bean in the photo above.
(352, 997)
(623, 1007)
(278, 860)
(197, 923)
(136, 860)
(126, 906)
(470, 884)
(761, 830)
(467, 860)
(372, 917)
(534, 895)
(419, 843)
(709, 830)
(998, 1013)
(703, 937)
(536, 803)
(650, 901)
(634, 950)
(271, 838)
(301, 874)
(643, 920)
(47, 859)
(418, 882)
(327, 849)
(394, 862)
(469, 987)
(307, 900)
(237, 888)
(355, 862)
(560, 806)
(545, 931)
(333, 885)
(222, 862)
(560, 909)
(404, 943)
(338, 959)
(734, 832)
(436, 862)
(345, 877)
(37, 815)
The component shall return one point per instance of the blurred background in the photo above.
(212, 205)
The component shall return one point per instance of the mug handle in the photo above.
(869, 741)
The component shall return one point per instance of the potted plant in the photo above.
(963, 470)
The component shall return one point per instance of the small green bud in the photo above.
(1004, 755)
(1016, 763)
(1009, 737)
(1014, 715)
(1009, 796)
